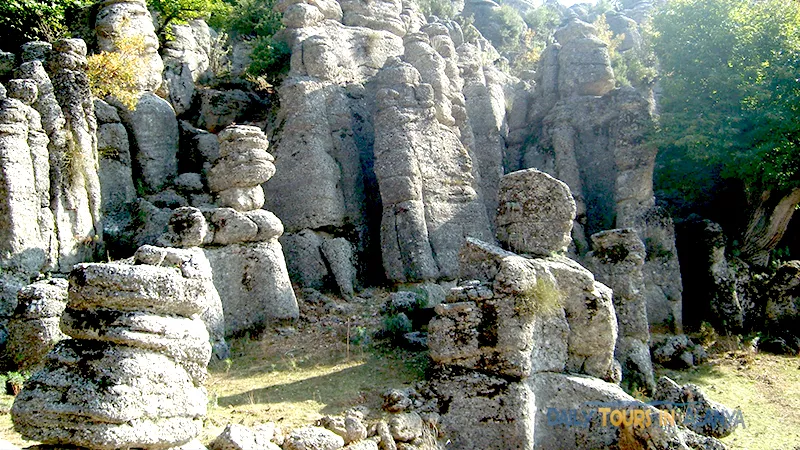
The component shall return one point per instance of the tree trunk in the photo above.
(767, 224)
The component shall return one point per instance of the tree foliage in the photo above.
(181, 11)
(28, 20)
(731, 99)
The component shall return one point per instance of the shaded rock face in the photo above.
(119, 19)
(708, 418)
(576, 127)
(616, 260)
(132, 376)
(186, 63)
(709, 276)
(337, 128)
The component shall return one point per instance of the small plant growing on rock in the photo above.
(14, 382)
(541, 299)
(114, 73)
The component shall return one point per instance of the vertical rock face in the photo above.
(616, 259)
(186, 62)
(153, 130)
(119, 19)
(332, 133)
(425, 176)
(26, 222)
(76, 190)
(132, 376)
(581, 130)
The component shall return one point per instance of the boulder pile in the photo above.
(132, 376)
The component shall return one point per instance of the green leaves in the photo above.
(731, 97)
(27, 20)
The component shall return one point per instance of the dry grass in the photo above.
(765, 387)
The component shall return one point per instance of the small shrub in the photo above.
(708, 335)
(14, 382)
(270, 58)
(114, 74)
(395, 326)
(541, 299)
(443, 9)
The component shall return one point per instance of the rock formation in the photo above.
(239, 238)
(527, 345)
(343, 58)
(132, 375)
(120, 19)
(34, 328)
(577, 127)
(616, 259)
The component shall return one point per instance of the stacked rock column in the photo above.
(617, 259)
(132, 376)
(240, 239)
(517, 318)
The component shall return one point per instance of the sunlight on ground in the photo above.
(767, 390)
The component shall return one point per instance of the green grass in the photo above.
(765, 387)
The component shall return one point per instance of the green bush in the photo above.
(511, 29)
(181, 11)
(443, 9)
(270, 58)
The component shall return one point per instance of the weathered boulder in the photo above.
(535, 213)
(584, 63)
(695, 410)
(313, 438)
(153, 133)
(253, 284)
(616, 260)
(218, 109)
(187, 228)
(677, 351)
(240, 437)
(34, 328)
(339, 254)
(119, 19)
(578, 412)
(193, 264)
(133, 375)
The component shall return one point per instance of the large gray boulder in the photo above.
(132, 377)
(153, 133)
(186, 62)
(535, 213)
(253, 284)
(584, 61)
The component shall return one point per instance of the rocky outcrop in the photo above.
(186, 63)
(582, 130)
(34, 328)
(120, 19)
(616, 260)
(693, 408)
(118, 191)
(239, 239)
(132, 376)
(337, 126)
(429, 199)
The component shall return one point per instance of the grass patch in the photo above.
(765, 387)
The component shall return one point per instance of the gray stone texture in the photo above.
(34, 328)
(535, 213)
(616, 260)
(132, 377)
(253, 283)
